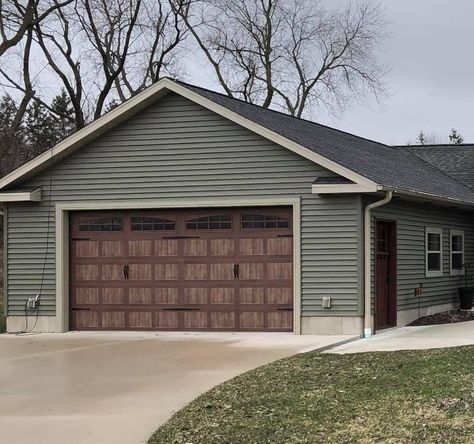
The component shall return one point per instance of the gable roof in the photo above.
(455, 160)
(385, 165)
(371, 165)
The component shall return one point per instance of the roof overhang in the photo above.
(146, 98)
(345, 188)
(21, 196)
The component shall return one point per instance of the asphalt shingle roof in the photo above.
(455, 160)
(388, 166)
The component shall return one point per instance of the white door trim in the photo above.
(62, 240)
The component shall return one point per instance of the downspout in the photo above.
(367, 262)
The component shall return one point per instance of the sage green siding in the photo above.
(412, 220)
(179, 150)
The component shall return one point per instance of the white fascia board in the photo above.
(345, 188)
(145, 98)
(22, 196)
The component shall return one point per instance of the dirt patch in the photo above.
(447, 317)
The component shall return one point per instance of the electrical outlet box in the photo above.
(33, 303)
(326, 302)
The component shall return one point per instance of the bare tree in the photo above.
(17, 21)
(109, 27)
(154, 52)
(104, 50)
(290, 54)
(17, 17)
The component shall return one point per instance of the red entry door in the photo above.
(386, 275)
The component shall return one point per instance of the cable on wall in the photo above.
(45, 260)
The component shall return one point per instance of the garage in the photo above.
(215, 269)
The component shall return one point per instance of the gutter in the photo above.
(368, 330)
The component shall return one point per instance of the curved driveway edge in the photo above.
(119, 387)
(413, 338)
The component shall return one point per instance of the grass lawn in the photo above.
(387, 397)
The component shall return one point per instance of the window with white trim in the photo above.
(434, 252)
(456, 252)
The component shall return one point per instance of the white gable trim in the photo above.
(144, 99)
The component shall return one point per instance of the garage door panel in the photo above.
(251, 246)
(279, 270)
(112, 272)
(86, 248)
(280, 246)
(212, 270)
(86, 296)
(140, 272)
(140, 319)
(222, 295)
(194, 247)
(166, 247)
(252, 271)
(222, 272)
(140, 248)
(112, 248)
(196, 296)
(86, 319)
(279, 320)
(279, 295)
(113, 296)
(166, 272)
(87, 272)
(167, 320)
(222, 320)
(113, 319)
(140, 296)
(252, 320)
(197, 320)
(195, 272)
(222, 247)
(166, 296)
(251, 295)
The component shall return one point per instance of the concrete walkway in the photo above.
(413, 338)
(118, 388)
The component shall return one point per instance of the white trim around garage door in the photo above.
(62, 241)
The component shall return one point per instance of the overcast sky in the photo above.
(431, 52)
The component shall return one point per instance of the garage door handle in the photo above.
(284, 309)
(80, 309)
(126, 269)
(236, 271)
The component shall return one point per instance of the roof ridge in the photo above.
(281, 113)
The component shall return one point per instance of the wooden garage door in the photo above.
(209, 269)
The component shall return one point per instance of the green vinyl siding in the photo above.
(176, 149)
(412, 220)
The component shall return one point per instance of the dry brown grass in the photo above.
(372, 398)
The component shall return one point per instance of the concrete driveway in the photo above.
(413, 338)
(118, 387)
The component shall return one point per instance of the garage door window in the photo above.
(263, 221)
(152, 224)
(105, 224)
(215, 222)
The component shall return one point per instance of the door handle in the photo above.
(236, 271)
(126, 269)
